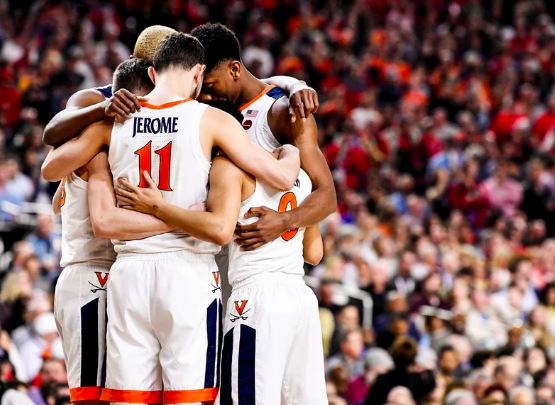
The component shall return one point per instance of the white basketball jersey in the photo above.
(164, 140)
(78, 241)
(255, 118)
(285, 254)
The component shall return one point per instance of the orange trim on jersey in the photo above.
(84, 393)
(132, 397)
(266, 89)
(176, 397)
(165, 105)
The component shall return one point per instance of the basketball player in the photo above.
(163, 296)
(272, 350)
(91, 105)
(266, 119)
(86, 202)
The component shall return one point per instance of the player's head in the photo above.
(222, 78)
(132, 75)
(183, 54)
(148, 40)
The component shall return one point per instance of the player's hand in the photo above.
(146, 200)
(123, 103)
(270, 225)
(303, 101)
(286, 150)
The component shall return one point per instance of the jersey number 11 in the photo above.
(145, 160)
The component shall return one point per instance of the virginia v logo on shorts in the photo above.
(240, 308)
(216, 275)
(102, 279)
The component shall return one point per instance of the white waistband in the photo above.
(276, 277)
(178, 254)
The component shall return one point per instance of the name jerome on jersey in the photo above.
(145, 125)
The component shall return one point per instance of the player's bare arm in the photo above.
(316, 206)
(109, 221)
(225, 132)
(85, 107)
(313, 246)
(215, 225)
(303, 100)
(77, 152)
(57, 199)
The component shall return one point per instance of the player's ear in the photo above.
(199, 73)
(151, 74)
(235, 69)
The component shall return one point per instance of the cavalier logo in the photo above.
(101, 280)
(216, 275)
(240, 310)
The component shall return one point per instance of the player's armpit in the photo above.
(313, 246)
(222, 130)
(107, 220)
(77, 152)
(82, 108)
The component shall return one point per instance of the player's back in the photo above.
(164, 141)
(78, 241)
(285, 254)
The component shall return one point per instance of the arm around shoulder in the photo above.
(227, 133)
(82, 109)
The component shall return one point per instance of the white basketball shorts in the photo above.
(163, 338)
(80, 312)
(272, 352)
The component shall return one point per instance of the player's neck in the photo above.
(171, 86)
(250, 87)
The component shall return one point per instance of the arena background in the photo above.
(437, 119)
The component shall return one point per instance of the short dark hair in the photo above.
(220, 44)
(228, 107)
(178, 50)
(445, 349)
(403, 352)
(132, 75)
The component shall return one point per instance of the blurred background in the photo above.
(437, 119)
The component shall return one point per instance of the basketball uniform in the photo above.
(164, 302)
(80, 296)
(255, 123)
(272, 351)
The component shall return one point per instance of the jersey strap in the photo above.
(276, 93)
(105, 90)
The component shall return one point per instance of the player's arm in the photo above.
(77, 152)
(216, 225)
(85, 107)
(313, 247)
(225, 132)
(303, 100)
(107, 220)
(57, 199)
(317, 206)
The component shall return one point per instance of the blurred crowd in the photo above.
(437, 119)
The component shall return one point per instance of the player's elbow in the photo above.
(314, 256)
(49, 134)
(101, 226)
(222, 234)
(49, 172)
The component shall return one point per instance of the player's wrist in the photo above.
(286, 221)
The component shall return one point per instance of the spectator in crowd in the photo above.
(420, 384)
(437, 119)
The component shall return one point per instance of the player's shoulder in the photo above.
(224, 166)
(87, 97)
